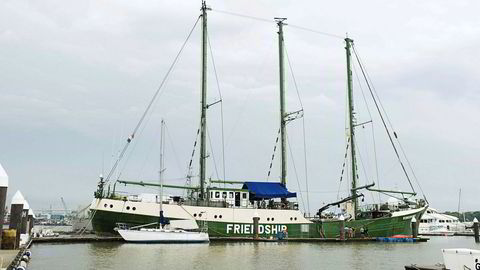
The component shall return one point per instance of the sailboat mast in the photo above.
(351, 122)
(162, 164)
(283, 132)
(203, 116)
(161, 218)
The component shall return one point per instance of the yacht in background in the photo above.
(436, 223)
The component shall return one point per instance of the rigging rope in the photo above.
(316, 31)
(377, 180)
(213, 155)
(303, 127)
(295, 170)
(273, 21)
(244, 16)
(391, 125)
(177, 160)
(157, 92)
(273, 155)
(383, 120)
(373, 130)
(221, 105)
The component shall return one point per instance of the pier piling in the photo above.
(3, 197)
(414, 228)
(476, 230)
(16, 211)
(25, 226)
(255, 226)
(342, 227)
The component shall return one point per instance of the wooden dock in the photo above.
(77, 239)
(96, 238)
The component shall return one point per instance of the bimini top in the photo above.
(267, 190)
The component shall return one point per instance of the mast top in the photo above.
(280, 20)
(204, 6)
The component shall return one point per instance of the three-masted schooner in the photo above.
(229, 212)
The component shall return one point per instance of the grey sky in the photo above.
(76, 76)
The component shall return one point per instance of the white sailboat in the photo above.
(165, 232)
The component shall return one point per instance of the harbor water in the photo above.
(230, 255)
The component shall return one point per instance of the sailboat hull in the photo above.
(163, 236)
(238, 222)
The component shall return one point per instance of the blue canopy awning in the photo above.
(267, 190)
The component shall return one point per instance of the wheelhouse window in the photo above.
(217, 194)
(244, 195)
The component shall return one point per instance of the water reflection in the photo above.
(221, 255)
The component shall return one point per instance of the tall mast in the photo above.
(161, 170)
(351, 120)
(203, 116)
(283, 123)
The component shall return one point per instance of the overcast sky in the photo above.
(75, 77)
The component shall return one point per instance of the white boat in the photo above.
(461, 258)
(159, 235)
(165, 232)
(436, 223)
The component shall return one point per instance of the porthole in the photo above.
(215, 216)
(134, 208)
(128, 207)
(268, 219)
(291, 218)
(273, 219)
(111, 205)
(105, 205)
(195, 215)
(199, 215)
(220, 216)
(295, 218)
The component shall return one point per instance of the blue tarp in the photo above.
(267, 190)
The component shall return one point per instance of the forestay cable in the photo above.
(157, 93)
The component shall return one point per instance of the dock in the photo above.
(86, 238)
(425, 267)
(97, 238)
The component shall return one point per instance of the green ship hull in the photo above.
(104, 222)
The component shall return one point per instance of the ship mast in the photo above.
(161, 170)
(203, 115)
(283, 115)
(351, 128)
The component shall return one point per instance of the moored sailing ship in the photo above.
(230, 211)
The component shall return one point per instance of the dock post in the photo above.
(256, 220)
(3, 197)
(255, 227)
(25, 226)
(414, 228)
(342, 227)
(475, 230)
(16, 210)
(31, 216)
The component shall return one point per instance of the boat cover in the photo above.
(267, 190)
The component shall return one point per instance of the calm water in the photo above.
(121, 256)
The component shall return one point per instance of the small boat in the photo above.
(165, 232)
(434, 223)
(454, 259)
(161, 235)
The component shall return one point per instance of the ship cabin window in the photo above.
(211, 194)
(244, 195)
(217, 194)
(224, 194)
(230, 195)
